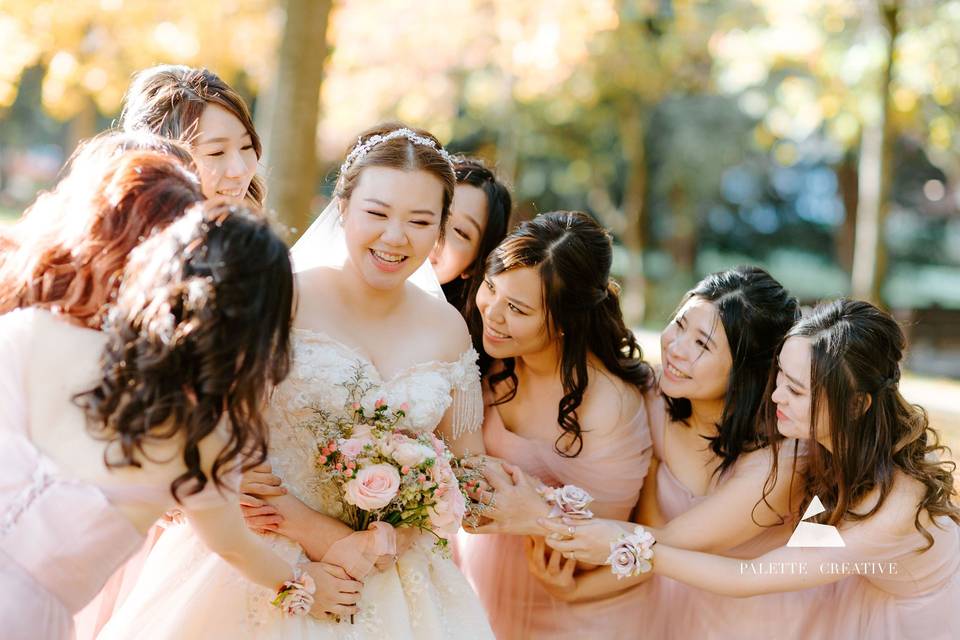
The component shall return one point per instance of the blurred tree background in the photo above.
(815, 137)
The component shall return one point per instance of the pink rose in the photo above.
(354, 446)
(373, 488)
(631, 554)
(568, 500)
(438, 445)
(447, 513)
(297, 595)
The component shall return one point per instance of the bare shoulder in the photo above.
(311, 280)
(440, 323)
(314, 290)
(608, 401)
(896, 515)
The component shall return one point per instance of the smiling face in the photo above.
(514, 318)
(224, 153)
(391, 222)
(792, 394)
(695, 354)
(467, 222)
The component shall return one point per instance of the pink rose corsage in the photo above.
(569, 500)
(632, 553)
(295, 597)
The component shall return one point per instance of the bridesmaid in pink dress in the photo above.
(79, 482)
(707, 490)
(567, 408)
(881, 532)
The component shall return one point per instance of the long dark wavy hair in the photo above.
(756, 312)
(573, 255)
(200, 331)
(462, 292)
(856, 351)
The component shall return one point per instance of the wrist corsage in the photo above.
(295, 597)
(569, 501)
(632, 553)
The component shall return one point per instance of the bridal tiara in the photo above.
(362, 147)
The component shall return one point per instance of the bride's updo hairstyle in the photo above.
(169, 99)
(573, 255)
(855, 354)
(416, 150)
(69, 249)
(199, 333)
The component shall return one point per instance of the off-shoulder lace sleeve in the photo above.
(467, 394)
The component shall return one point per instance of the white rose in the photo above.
(412, 454)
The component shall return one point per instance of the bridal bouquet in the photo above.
(390, 475)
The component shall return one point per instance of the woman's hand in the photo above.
(361, 551)
(406, 536)
(256, 484)
(260, 516)
(260, 481)
(514, 504)
(585, 540)
(336, 593)
(553, 572)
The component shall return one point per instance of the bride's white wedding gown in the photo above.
(185, 591)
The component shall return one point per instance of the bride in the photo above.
(364, 330)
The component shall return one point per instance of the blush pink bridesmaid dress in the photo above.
(613, 472)
(673, 610)
(61, 538)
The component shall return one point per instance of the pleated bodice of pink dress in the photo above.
(612, 471)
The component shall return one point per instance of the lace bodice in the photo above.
(319, 380)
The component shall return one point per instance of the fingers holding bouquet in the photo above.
(336, 592)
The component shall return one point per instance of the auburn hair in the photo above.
(71, 246)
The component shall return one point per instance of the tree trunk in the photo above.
(869, 257)
(293, 103)
(508, 151)
(83, 126)
(635, 191)
(843, 242)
